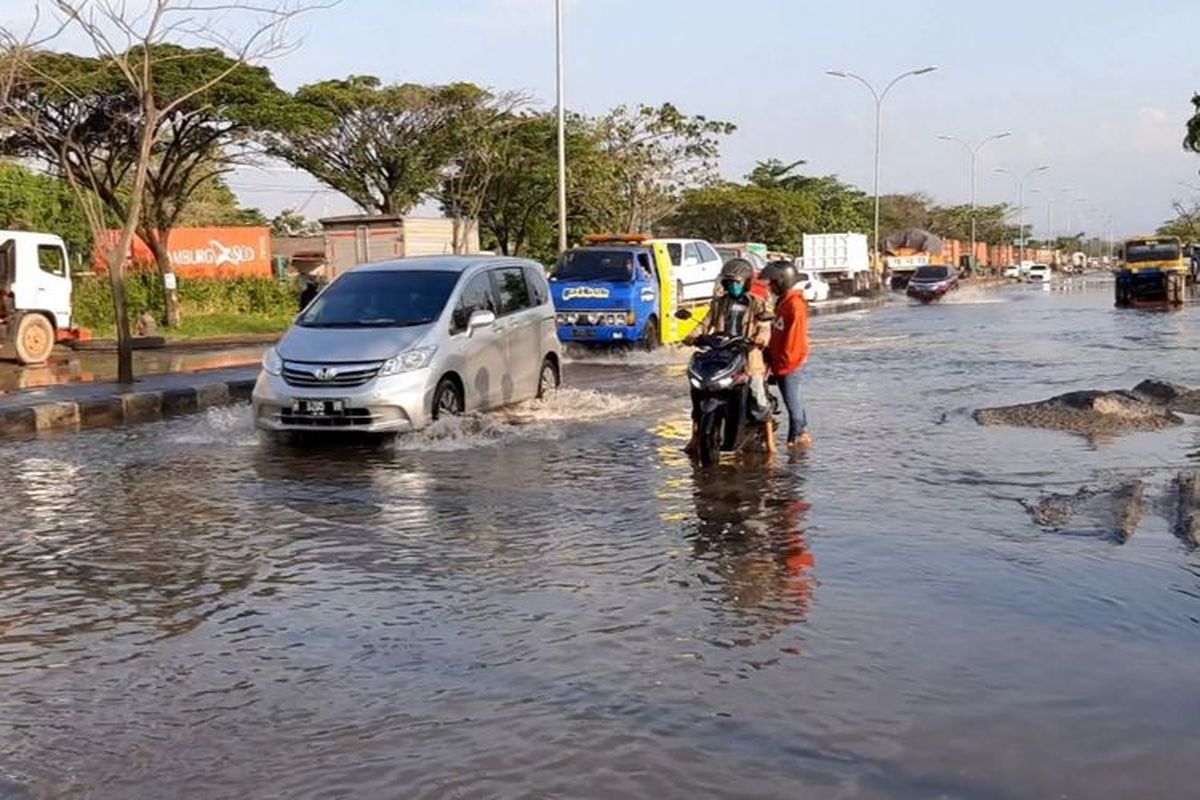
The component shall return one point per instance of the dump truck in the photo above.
(1154, 275)
(843, 260)
(907, 251)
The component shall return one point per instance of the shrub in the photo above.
(92, 298)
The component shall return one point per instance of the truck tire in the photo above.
(651, 340)
(34, 340)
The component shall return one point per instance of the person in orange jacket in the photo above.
(788, 349)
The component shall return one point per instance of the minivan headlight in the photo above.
(272, 364)
(417, 358)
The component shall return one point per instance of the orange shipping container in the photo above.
(209, 252)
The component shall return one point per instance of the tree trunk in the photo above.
(157, 242)
(116, 278)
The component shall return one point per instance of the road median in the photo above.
(84, 406)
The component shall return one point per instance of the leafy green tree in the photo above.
(1185, 224)
(214, 205)
(738, 213)
(90, 120)
(518, 209)
(1191, 141)
(900, 212)
(290, 222)
(954, 222)
(654, 154)
(32, 201)
(383, 146)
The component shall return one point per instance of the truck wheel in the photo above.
(35, 339)
(650, 336)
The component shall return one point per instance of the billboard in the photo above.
(209, 252)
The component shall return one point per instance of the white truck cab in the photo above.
(35, 277)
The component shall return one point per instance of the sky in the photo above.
(1098, 90)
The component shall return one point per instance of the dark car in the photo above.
(931, 282)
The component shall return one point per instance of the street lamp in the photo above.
(879, 97)
(973, 151)
(562, 127)
(1021, 198)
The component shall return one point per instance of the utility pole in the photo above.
(562, 127)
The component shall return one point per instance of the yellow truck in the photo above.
(621, 289)
(1154, 274)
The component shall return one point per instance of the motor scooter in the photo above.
(727, 419)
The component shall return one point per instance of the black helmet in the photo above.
(737, 271)
(781, 275)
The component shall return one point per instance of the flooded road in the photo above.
(554, 603)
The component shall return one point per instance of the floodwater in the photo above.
(553, 603)
(87, 366)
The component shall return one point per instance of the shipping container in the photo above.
(207, 252)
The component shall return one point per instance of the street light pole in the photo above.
(1049, 222)
(562, 127)
(973, 151)
(1021, 200)
(879, 98)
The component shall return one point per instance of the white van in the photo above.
(697, 267)
(1039, 273)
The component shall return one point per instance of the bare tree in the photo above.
(128, 38)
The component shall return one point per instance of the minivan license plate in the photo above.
(318, 408)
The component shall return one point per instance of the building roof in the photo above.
(457, 263)
(360, 219)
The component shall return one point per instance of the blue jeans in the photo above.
(792, 388)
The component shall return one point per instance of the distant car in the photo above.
(1012, 272)
(390, 347)
(931, 282)
(697, 267)
(814, 286)
(1039, 273)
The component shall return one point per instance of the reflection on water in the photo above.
(553, 602)
(90, 366)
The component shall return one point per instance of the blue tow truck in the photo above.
(617, 290)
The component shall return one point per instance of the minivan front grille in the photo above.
(333, 376)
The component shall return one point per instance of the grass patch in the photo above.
(212, 326)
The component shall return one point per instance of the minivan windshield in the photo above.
(614, 266)
(932, 274)
(381, 299)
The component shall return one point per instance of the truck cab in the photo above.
(620, 289)
(35, 277)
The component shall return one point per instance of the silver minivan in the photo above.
(390, 347)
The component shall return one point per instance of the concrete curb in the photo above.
(124, 408)
(845, 305)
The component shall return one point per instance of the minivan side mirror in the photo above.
(480, 319)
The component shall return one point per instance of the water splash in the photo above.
(536, 419)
